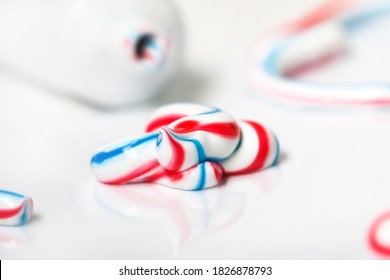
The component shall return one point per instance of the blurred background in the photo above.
(322, 201)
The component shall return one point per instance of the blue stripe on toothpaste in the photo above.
(101, 157)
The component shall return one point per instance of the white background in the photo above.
(333, 179)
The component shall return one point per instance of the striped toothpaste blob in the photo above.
(128, 160)
(258, 149)
(210, 136)
(201, 176)
(15, 209)
(167, 114)
(187, 146)
(134, 160)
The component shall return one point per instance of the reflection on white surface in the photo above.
(17, 236)
(258, 183)
(185, 215)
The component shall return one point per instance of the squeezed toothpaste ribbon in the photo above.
(187, 146)
(210, 136)
(134, 160)
(258, 149)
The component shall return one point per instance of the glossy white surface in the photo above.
(319, 203)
